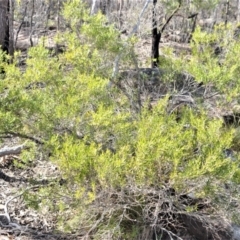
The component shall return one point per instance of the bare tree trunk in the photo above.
(58, 15)
(120, 8)
(11, 28)
(157, 32)
(194, 23)
(104, 6)
(31, 23)
(156, 36)
(238, 11)
(226, 13)
(93, 6)
(4, 25)
(20, 26)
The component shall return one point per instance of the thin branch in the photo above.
(95, 225)
(21, 135)
(6, 214)
(134, 30)
(21, 24)
(170, 17)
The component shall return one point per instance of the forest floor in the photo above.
(26, 223)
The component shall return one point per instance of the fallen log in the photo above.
(12, 150)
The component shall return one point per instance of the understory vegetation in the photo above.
(130, 168)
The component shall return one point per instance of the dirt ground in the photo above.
(25, 223)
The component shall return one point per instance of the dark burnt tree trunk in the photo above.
(104, 6)
(157, 32)
(156, 37)
(194, 24)
(4, 25)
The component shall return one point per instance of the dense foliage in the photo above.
(106, 151)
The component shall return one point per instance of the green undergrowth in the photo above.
(103, 149)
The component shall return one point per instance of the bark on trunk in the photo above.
(4, 25)
(157, 33)
(104, 6)
(156, 36)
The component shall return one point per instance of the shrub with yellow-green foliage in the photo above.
(104, 151)
(214, 58)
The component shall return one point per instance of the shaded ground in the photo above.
(29, 223)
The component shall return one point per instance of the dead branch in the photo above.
(12, 150)
(20, 135)
(170, 17)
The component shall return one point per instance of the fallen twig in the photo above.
(6, 214)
